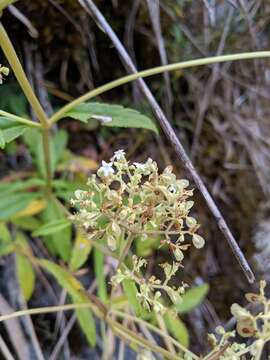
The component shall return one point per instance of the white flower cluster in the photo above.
(135, 198)
(133, 201)
(254, 327)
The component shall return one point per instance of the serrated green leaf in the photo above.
(112, 116)
(52, 227)
(24, 269)
(75, 290)
(192, 298)
(80, 251)
(131, 292)
(177, 328)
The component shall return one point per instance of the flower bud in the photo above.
(190, 221)
(178, 254)
(116, 230)
(4, 70)
(198, 241)
(111, 242)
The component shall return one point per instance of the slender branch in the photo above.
(14, 62)
(125, 250)
(16, 66)
(47, 158)
(137, 339)
(154, 329)
(155, 71)
(19, 119)
(163, 121)
(43, 310)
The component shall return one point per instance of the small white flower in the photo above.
(172, 189)
(139, 166)
(119, 155)
(106, 169)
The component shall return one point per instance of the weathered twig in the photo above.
(168, 130)
(15, 331)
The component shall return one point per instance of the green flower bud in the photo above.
(4, 70)
(112, 243)
(190, 221)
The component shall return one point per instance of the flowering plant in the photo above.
(127, 202)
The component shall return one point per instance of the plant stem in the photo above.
(154, 329)
(19, 119)
(154, 71)
(125, 251)
(16, 66)
(137, 339)
(47, 156)
(43, 310)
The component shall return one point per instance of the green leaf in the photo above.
(5, 3)
(6, 188)
(60, 242)
(6, 249)
(24, 269)
(12, 98)
(100, 275)
(2, 140)
(33, 139)
(80, 251)
(27, 223)
(111, 115)
(5, 123)
(59, 141)
(13, 132)
(52, 227)
(192, 298)
(75, 290)
(146, 248)
(65, 189)
(11, 204)
(5, 237)
(177, 328)
(131, 292)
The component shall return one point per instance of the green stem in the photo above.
(125, 251)
(16, 66)
(137, 339)
(15, 118)
(155, 71)
(43, 310)
(47, 156)
(154, 329)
